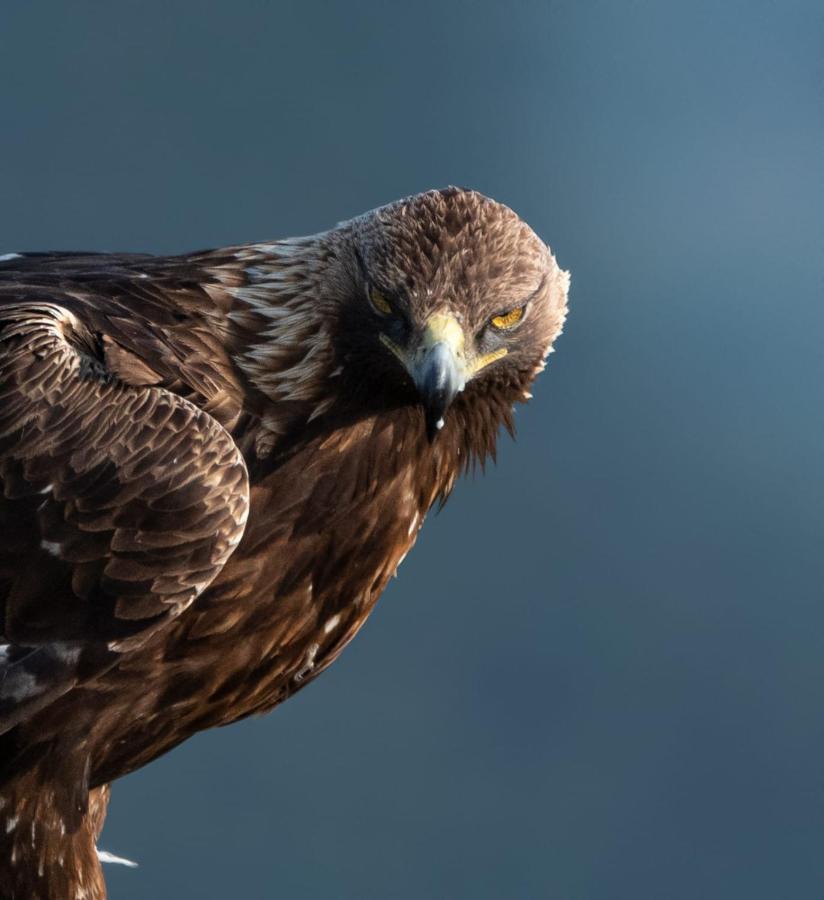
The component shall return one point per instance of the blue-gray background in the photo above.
(601, 671)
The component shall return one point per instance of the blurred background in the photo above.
(600, 674)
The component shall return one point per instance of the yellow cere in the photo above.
(508, 320)
(381, 304)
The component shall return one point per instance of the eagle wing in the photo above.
(119, 504)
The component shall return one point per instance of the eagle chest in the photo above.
(325, 534)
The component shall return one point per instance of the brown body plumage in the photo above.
(210, 467)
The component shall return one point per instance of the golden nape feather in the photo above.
(211, 464)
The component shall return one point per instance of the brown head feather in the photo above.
(314, 344)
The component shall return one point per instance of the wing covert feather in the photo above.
(121, 503)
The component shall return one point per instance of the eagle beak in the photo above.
(438, 368)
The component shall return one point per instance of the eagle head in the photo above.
(457, 296)
(444, 304)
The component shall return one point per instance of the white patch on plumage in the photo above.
(66, 652)
(331, 624)
(22, 685)
(105, 857)
(51, 547)
(11, 823)
(308, 663)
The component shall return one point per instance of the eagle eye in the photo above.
(507, 320)
(379, 302)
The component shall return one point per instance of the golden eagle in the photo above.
(210, 466)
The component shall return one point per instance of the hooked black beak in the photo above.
(437, 365)
(438, 380)
(439, 368)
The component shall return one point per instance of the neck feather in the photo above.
(284, 313)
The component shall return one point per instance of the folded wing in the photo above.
(119, 504)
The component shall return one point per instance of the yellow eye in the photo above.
(509, 319)
(379, 302)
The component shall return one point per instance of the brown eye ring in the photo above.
(508, 320)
